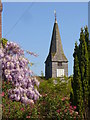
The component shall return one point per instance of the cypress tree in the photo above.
(86, 36)
(89, 70)
(83, 63)
(81, 76)
(81, 54)
(77, 84)
(88, 48)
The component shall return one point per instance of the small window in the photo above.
(59, 64)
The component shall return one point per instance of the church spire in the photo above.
(56, 48)
(56, 64)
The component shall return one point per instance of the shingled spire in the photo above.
(56, 49)
(56, 55)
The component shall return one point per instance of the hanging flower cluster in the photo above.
(15, 69)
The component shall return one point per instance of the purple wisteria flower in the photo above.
(16, 69)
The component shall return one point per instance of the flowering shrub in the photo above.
(20, 86)
(66, 111)
(55, 103)
(15, 69)
(13, 109)
(51, 105)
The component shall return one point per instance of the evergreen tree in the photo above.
(81, 54)
(89, 70)
(84, 69)
(77, 84)
(83, 65)
(88, 48)
(81, 76)
(86, 36)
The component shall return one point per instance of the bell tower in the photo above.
(0, 19)
(56, 64)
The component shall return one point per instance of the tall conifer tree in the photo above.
(88, 48)
(86, 36)
(77, 84)
(89, 70)
(81, 77)
(84, 69)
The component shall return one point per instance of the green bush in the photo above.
(54, 102)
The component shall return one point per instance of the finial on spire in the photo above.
(55, 16)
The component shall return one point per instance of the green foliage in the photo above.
(86, 36)
(55, 107)
(80, 84)
(55, 85)
(89, 71)
(53, 99)
(12, 109)
(88, 48)
(54, 102)
(83, 48)
(3, 41)
(77, 84)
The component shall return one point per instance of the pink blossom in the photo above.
(70, 107)
(2, 94)
(74, 107)
(58, 111)
(22, 109)
(28, 117)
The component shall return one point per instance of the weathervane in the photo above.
(55, 15)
